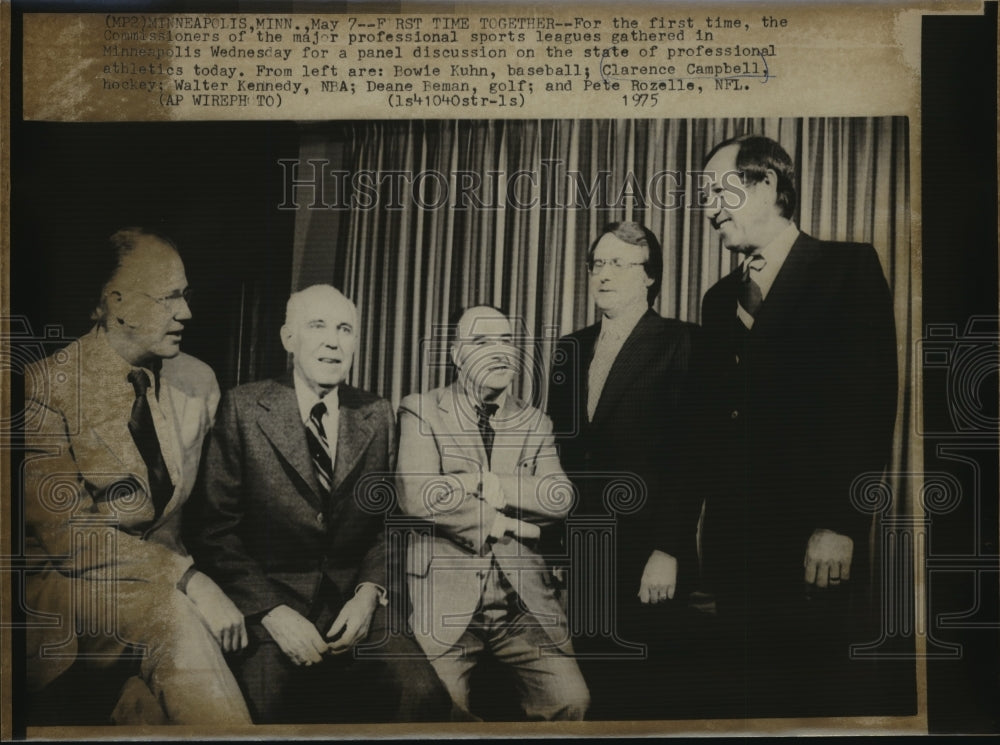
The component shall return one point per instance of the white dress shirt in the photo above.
(774, 254)
(307, 399)
(614, 332)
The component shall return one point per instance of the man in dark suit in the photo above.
(292, 528)
(799, 399)
(616, 400)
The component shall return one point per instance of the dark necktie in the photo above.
(319, 447)
(751, 297)
(485, 411)
(140, 426)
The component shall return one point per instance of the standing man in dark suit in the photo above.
(799, 399)
(291, 528)
(616, 400)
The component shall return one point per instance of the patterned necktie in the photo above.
(140, 426)
(750, 296)
(319, 447)
(485, 411)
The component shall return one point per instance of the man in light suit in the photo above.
(799, 399)
(115, 425)
(480, 467)
(616, 398)
(292, 526)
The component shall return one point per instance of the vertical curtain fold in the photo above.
(411, 261)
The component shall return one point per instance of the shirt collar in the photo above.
(625, 322)
(774, 254)
(307, 398)
(108, 364)
(473, 402)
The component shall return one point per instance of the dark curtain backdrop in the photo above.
(409, 264)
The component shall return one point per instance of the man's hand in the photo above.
(354, 619)
(219, 614)
(828, 558)
(659, 578)
(492, 492)
(295, 635)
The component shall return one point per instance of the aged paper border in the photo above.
(865, 725)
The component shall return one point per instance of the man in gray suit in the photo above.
(481, 467)
(292, 528)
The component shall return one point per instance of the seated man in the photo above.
(115, 430)
(286, 527)
(481, 468)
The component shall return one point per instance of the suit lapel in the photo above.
(105, 419)
(632, 360)
(186, 428)
(461, 423)
(791, 285)
(354, 433)
(279, 420)
(588, 341)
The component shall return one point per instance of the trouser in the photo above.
(645, 671)
(791, 656)
(182, 664)
(386, 678)
(548, 681)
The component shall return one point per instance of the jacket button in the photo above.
(735, 414)
(319, 518)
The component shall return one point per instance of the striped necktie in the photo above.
(319, 447)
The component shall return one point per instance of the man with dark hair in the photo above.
(291, 524)
(798, 400)
(115, 426)
(480, 467)
(616, 401)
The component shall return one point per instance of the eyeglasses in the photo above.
(616, 265)
(187, 295)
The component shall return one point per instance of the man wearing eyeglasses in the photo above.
(115, 424)
(615, 398)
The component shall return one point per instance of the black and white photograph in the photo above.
(373, 426)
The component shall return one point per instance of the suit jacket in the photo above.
(639, 428)
(793, 411)
(84, 475)
(441, 456)
(263, 530)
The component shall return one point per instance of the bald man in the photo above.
(287, 527)
(117, 424)
(481, 468)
